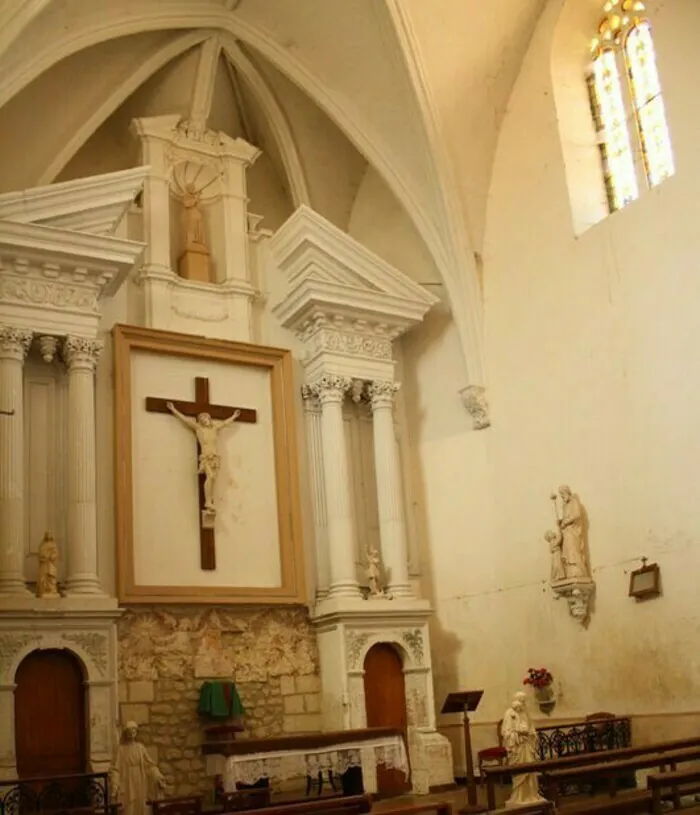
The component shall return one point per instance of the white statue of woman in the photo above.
(520, 741)
(373, 574)
(135, 777)
(47, 578)
(573, 536)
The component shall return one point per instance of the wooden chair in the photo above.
(185, 805)
(492, 756)
(310, 782)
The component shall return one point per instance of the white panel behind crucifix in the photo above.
(165, 487)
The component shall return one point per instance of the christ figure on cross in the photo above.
(206, 430)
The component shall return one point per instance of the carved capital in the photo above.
(381, 393)
(14, 343)
(330, 389)
(310, 400)
(81, 354)
(477, 406)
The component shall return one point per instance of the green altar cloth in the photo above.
(220, 700)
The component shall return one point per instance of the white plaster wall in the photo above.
(593, 381)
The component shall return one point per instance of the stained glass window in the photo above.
(630, 118)
(649, 104)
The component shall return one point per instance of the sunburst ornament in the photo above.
(192, 180)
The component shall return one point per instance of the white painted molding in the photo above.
(329, 270)
(51, 280)
(107, 23)
(143, 72)
(95, 204)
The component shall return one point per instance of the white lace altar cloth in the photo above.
(285, 765)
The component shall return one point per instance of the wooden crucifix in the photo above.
(206, 420)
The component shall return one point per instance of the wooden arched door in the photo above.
(385, 703)
(50, 731)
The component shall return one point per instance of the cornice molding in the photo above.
(93, 205)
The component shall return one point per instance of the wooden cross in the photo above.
(201, 405)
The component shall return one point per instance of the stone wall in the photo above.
(166, 654)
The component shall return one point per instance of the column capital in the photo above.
(331, 389)
(81, 354)
(310, 400)
(14, 342)
(381, 393)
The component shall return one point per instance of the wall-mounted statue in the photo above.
(570, 573)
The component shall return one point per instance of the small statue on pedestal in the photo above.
(374, 574)
(520, 741)
(135, 777)
(47, 574)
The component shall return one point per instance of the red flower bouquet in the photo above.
(538, 678)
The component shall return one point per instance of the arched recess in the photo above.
(95, 649)
(449, 248)
(50, 714)
(571, 30)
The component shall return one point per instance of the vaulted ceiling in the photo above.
(324, 87)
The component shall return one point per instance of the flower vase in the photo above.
(545, 699)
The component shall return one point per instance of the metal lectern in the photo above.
(466, 702)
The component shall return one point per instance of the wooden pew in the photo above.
(434, 808)
(581, 760)
(340, 805)
(678, 782)
(612, 770)
(632, 802)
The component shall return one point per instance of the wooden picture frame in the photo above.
(645, 582)
(278, 363)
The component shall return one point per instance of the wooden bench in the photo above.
(581, 760)
(336, 805)
(633, 802)
(678, 782)
(183, 805)
(612, 770)
(242, 800)
(436, 808)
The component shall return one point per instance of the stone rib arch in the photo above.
(449, 250)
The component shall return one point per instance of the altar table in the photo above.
(289, 757)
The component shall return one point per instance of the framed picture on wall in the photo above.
(207, 492)
(645, 582)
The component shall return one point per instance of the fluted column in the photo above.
(392, 526)
(81, 356)
(312, 413)
(330, 391)
(14, 344)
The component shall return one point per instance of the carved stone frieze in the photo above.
(414, 642)
(95, 646)
(477, 406)
(354, 644)
(252, 646)
(50, 293)
(10, 645)
(347, 342)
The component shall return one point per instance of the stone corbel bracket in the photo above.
(578, 593)
(477, 406)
